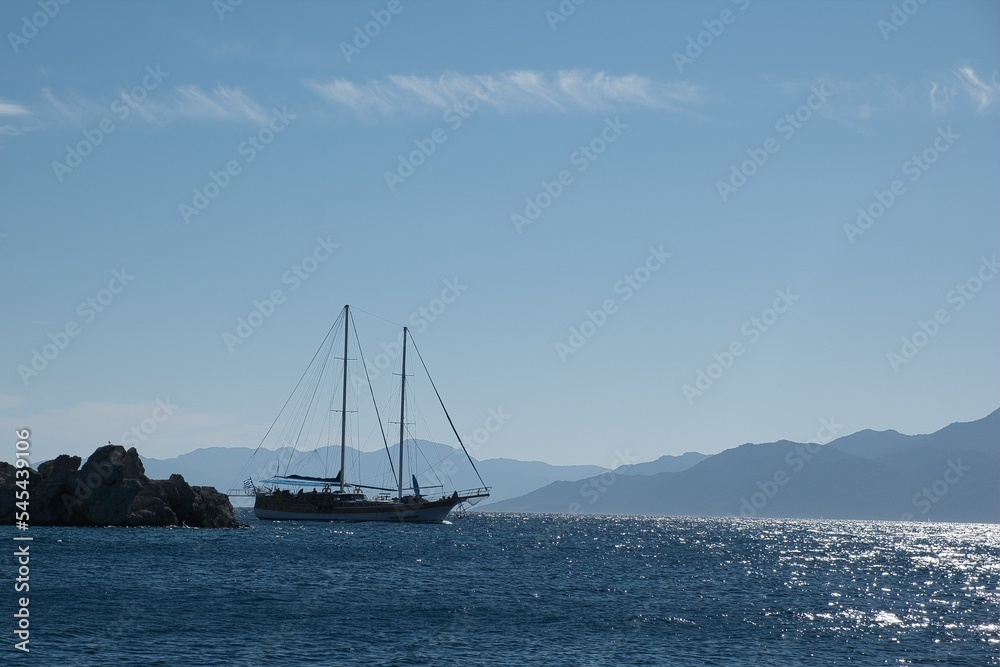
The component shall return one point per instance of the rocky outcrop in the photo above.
(112, 489)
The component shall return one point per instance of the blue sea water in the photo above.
(502, 589)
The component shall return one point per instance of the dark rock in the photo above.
(151, 511)
(133, 465)
(47, 506)
(212, 509)
(111, 489)
(180, 497)
(7, 487)
(105, 467)
(64, 463)
(109, 505)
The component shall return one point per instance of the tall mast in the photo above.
(402, 416)
(343, 405)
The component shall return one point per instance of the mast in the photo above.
(343, 405)
(402, 416)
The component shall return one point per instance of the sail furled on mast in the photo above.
(307, 478)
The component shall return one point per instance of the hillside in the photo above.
(950, 475)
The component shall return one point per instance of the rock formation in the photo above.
(111, 489)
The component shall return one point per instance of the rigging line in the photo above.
(329, 438)
(361, 355)
(315, 416)
(332, 450)
(433, 467)
(309, 404)
(262, 440)
(430, 468)
(302, 410)
(354, 432)
(450, 422)
(415, 407)
(301, 414)
(395, 324)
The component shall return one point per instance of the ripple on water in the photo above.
(519, 589)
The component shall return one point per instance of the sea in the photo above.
(506, 589)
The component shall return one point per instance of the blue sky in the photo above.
(696, 201)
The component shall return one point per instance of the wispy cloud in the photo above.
(515, 92)
(185, 102)
(16, 120)
(11, 109)
(964, 86)
(73, 108)
(864, 104)
(223, 103)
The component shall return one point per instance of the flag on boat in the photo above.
(416, 487)
(248, 485)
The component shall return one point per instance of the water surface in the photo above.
(495, 589)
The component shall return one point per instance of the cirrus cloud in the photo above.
(517, 91)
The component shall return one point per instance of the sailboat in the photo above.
(334, 498)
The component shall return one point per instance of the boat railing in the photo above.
(481, 492)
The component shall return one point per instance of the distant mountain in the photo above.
(211, 466)
(226, 467)
(665, 463)
(511, 478)
(950, 475)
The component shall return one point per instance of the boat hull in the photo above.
(291, 509)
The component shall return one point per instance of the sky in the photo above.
(630, 229)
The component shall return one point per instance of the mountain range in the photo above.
(950, 475)
(226, 467)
